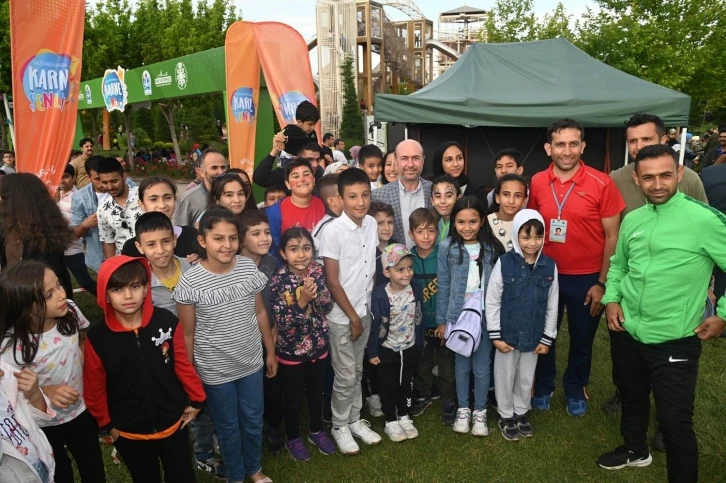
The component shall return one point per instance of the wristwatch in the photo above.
(600, 284)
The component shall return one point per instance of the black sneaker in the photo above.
(525, 429)
(448, 416)
(275, 440)
(509, 429)
(658, 444)
(435, 393)
(419, 405)
(613, 405)
(621, 457)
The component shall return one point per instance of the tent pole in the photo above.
(682, 151)
(627, 154)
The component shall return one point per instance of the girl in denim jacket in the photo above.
(465, 262)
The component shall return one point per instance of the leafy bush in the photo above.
(169, 145)
(159, 144)
(146, 142)
(153, 168)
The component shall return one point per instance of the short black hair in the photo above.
(337, 141)
(152, 221)
(248, 219)
(310, 146)
(369, 151)
(12, 153)
(642, 118)
(306, 111)
(128, 273)
(509, 152)
(296, 163)
(91, 163)
(327, 136)
(70, 170)
(529, 225)
(84, 141)
(275, 188)
(109, 165)
(655, 151)
(216, 214)
(326, 184)
(155, 180)
(446, 179)
(721, 128)
(562, 124)
(351, 177)
(381, 207)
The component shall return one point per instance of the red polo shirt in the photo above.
(593, 198)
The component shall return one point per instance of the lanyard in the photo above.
(560, 205)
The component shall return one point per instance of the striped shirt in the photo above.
(227, 339)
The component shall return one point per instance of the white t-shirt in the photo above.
(227, 338)
(473, 282)
(18, 436)
(76, 245)
(502, 230)
(338, 156)
(59, 361)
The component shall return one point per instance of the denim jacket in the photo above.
(452, 277)
(83, 205)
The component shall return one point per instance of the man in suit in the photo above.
(409, 192)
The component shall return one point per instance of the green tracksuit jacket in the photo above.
(662, 267)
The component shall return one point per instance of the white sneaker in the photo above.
(408, 427)
(361, 429)
(395, 432)
(463, 416)
(479, 428)
(344, 439)
(375, 408)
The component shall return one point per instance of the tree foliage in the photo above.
(351, 126)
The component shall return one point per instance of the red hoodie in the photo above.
(138, 381)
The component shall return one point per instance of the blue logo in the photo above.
(243, 105)
(146, 82)
(88, 95)
(114, 90)
(47, 80)
(288, 103)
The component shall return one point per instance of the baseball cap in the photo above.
(393, 254)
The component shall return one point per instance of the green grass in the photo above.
(563, 449)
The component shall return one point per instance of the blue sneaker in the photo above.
(541, 402)
(576, 407)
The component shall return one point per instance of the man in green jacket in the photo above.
(656, 288)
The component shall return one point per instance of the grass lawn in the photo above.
(563, 449)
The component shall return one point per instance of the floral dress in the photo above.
(303, 333)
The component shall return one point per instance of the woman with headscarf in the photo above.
(449, 159)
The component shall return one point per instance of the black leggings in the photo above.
(142, 458)
(300, 381)
(80, 436)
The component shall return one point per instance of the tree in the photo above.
(510, 21)
(351, 127)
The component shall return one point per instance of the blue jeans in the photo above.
(582, 328)
(236, 408)
(478, 362)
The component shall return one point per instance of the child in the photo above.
(348, 249)
(422, 223)
(25, 454)
(273, 194)
(521, 314)
(384, 216)
(506, 161)
(370, 161)
(137, 377)
(395, 337)
(301, 208)
(465, 261)
(41, 329)
(300, 302)
(328, 192)
(225, 322)
(159, 194)
(74, 258)
(445, 190)
(256, 240)
(390, 172)
(155, 240)
(510, 196)
(229, 191)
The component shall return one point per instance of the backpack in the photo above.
(464, 336)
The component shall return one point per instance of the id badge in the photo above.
(558, 231)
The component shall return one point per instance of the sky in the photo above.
(301, 13)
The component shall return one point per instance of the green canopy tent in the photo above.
(503, 95)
